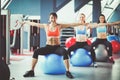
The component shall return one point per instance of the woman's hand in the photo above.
(86, 24)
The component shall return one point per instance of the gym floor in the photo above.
(105, 70)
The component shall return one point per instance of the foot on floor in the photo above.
(69, 75)
(29, 74)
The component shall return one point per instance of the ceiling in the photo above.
(107, 8)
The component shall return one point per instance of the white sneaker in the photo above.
(95, 65)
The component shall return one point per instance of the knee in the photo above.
(92, 48)
(63, 50)
(65, 57)
(36, 53)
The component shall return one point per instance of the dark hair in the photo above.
(54, 14)
(104, 18)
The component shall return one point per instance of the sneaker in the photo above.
(12, 78)
(69, 75)
(29, 74)
(111, 60)
(95, 65)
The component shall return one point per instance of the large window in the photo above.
(5, 3)
(107, 8)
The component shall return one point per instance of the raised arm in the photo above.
(94, 25)
(34, 24)
(114, 23)
(71, 25)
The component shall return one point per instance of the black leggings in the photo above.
(48, 49)
(104, 42)
(78, 45)
(81, 45)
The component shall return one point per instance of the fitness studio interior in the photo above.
(88, 31)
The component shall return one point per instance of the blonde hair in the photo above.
(82, 14)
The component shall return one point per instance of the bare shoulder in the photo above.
(59, 25)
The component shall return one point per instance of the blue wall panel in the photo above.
(26, 7)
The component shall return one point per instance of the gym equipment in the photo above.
(101, 53)
(115, 46)
(70, 41)
(11, 32)
(15, 25)
(89, 41)
(112, 37)
(5, 35)
(81, 57)
(52, 64)
(14, 37)
(4, 69)
(17, 38)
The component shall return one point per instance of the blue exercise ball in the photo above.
(52, 64)
(113, 37)
(101, 53)
(81, 57)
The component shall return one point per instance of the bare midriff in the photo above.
(102, 35)
(81, 38)
(53, 41)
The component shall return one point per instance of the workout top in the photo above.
(101, 29)
(79, 31)
(55, 33)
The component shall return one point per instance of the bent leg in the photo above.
(37, 52)
(72, 48)
(63, 51)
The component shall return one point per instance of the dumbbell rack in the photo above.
(66, 33)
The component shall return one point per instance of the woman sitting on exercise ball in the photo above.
(53, 43)
(81, 37)
(102, 38)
